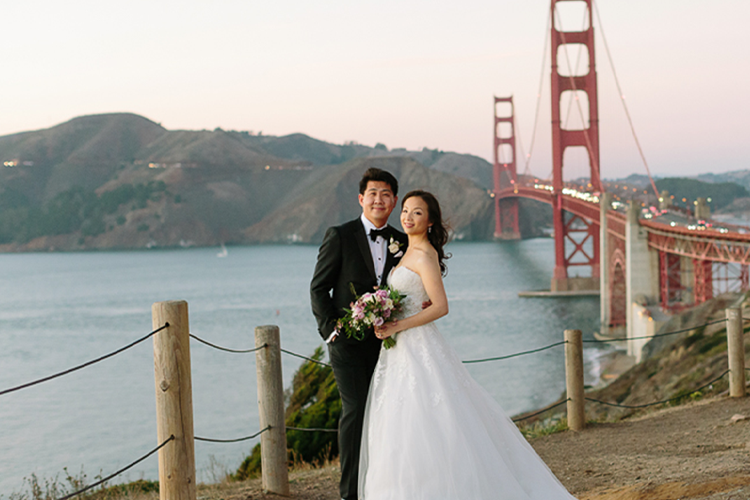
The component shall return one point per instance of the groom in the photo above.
(361, 252)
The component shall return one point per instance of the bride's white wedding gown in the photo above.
(431, 432)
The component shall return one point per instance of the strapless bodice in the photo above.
(408, 283)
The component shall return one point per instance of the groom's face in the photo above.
(377, 202)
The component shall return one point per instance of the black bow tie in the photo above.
(374, 233)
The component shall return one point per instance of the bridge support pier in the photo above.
(641, 269)
(605, 305)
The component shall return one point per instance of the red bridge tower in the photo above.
(504, 172)
(576, 239)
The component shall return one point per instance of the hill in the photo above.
(325, 199)
(721, 194)
(123, 181)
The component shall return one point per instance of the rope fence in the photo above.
(174, 392)
(304, 357)
(226, 349)
(657, 335)
(84, 365)
(309, 429)
(617, 405)
(115, 474)
(498, 358)
(268, 428)
(237, 440)
(482, 360)
(541, 411)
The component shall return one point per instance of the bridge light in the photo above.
(661, 199)
(708, 200)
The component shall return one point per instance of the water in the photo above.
(59, 310)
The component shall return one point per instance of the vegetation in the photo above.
(551, 425)
(51, 489)
(75, 209)
(312, 402)
(721, 193)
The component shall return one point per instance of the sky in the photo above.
(406, 73)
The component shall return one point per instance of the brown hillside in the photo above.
(206, 187)
(204, 148)
(85, 151)
(330, 197)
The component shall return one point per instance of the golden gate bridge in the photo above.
(638, 249)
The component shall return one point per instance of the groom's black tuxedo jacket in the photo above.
(344, 258)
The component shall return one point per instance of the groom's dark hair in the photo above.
(378, 175)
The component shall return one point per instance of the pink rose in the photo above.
(378, 322)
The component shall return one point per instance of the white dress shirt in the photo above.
(377, 247)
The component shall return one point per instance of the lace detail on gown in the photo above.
(431, 432)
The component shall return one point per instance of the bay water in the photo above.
(58, 310)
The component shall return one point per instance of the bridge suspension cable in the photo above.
(526, 169)
(622, 98)
(520, 142)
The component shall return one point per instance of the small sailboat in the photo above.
(223, 252)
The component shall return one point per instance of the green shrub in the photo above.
(313, 402)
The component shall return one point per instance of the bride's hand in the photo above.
(387, 329)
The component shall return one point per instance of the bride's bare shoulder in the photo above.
(426, 259)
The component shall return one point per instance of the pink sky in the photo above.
(405, 73)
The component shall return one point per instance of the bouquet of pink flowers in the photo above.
(370, 310)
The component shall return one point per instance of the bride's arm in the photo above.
(428, 268)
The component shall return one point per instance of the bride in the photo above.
(430, 431)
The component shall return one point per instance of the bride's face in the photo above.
(415, 216)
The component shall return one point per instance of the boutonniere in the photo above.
(394, 247)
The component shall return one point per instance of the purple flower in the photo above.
(378, 322)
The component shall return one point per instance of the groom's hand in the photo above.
(427, 304)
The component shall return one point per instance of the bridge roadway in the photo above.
(647, 256)
(670, 231)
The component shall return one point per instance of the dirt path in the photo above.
(690, 452)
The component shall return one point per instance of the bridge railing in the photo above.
(171, 338)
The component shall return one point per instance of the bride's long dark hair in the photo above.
(437, 234)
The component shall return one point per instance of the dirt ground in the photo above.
(688, 452)
(693, 452)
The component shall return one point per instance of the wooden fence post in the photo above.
(273, 459)
(174, 400)
(736, 353)
(574, 379)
